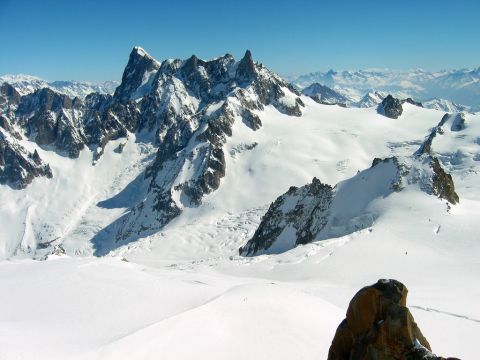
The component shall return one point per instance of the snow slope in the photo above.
(184, 292)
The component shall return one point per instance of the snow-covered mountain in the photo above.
(140, 201)
(186, 108)
(460, 86)
(26, 84)
(324, 95)
(447, 106)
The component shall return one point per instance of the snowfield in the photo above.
(185, 293)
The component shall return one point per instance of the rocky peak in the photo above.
(296, 216)
(9, 94)
(140, 65)
(379, 325)
(191, 64)
(44, 100)
(391, 107)
(246, 69)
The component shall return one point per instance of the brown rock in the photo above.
(379, 326)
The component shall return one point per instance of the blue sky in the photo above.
(91, 40)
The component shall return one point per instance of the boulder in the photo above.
(379, 325)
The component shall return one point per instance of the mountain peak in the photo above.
(248, 55)
(137, 50)
(140, 63)
(246, 68)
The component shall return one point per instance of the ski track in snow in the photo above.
(424, 308)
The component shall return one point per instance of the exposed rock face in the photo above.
(8, 95)
(246, 69)
(442, 183)
(391, 107)
(459, 123)
(412, 102)
(378, 98)
(301, 212)
(379, 325)
(52, 119)
(426, 146)
(318, 211)
(324, 95)
(18, 167)
(135, 79)
(315, 210)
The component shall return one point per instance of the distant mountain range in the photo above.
(26, 84)
(458, 86)
(447, 90)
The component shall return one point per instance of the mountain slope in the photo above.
(26, 84)
(155, 290)
(185, 108)
(323, 94)
(317, 211)
(193, 138)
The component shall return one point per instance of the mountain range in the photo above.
(458, 86)
(214, 191)
(26, 84)
(450, 91)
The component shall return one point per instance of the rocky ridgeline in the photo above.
(379, 325)
(319, 211)
(392, 107)
(186, 107)
(18, 166)
(196, 103)
(302, 210)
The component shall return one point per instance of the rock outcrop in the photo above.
(297, 215)
(391, 107)
(379, 325)
(317, 211)
(412, 102)
(18, 167)
(442, 183)
(459, 123)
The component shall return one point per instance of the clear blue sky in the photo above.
(91, 40)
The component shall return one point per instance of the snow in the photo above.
(185, 293)
(26, 84)
(458, 85)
